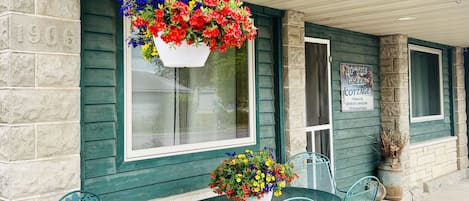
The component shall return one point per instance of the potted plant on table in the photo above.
(183, 32)
(251, 176)
(389, 171)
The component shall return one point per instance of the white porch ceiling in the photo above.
(441, 21)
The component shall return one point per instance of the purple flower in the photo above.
(156, 3)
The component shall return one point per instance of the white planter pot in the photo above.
(183, 55)
(266, 197)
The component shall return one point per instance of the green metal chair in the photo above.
(364, 189)
(299, 199)
(314, 172)
(80, 196)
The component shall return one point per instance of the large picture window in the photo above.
(426, 84)
(170, 111)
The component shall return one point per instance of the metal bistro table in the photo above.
(289, 192)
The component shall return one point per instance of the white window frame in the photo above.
(134, 155)
(313, 129)
(440, 63)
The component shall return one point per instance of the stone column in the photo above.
(39, 98)
(294, 82)
(394, 88)
(460, 107)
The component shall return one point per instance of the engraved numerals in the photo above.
(49, 35)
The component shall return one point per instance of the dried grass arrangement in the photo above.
(391, 146)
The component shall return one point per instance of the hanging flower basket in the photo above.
(171, 56)
(211, 24)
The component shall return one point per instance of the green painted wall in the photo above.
(103, 170)
(422, 131)
(354, 132)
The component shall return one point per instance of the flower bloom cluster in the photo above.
(250, 174)
(220, 24)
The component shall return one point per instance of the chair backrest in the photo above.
(313, 172)
(299, 199)
(364, 189)
(80, 196)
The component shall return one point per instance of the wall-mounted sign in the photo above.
(356, 87)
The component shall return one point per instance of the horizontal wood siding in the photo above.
(354, 132)
(103, 171)
(428, 130)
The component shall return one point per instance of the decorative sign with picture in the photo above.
(356, 87)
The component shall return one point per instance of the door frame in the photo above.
(329, 126)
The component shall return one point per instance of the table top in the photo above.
(289, 192)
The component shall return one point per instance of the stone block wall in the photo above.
(460, 108)
(294, 75)
(39, 99)
(432, 159)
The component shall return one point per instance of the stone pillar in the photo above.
(394, 88)
(39, 98)
(294, 82)
(460, 108)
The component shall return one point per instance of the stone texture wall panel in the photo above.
(58, 140)
(4, 144)
(59, 8)
(4, 4)
(24, 6)
(4, 32)
(44, 105)
(293, 78)
(22, 70)
(4, 180)
(4, 106)
(58, 70)
(55, 175)
(294, 57)
(22, 143)
(4, 69)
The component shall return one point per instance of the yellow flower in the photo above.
(262, 185)
(145, 47)
(233, 162)
(154, 53)
(258, 177)
(248, 151)
(255, 183)
(277, 193)
(238, 179)
(241, 156)
(191, 4)
(281, 184)
(245, 161)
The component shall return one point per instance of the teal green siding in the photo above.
(354, 132)
(103, 170)
(428, 130)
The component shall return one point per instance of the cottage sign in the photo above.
(356, 87)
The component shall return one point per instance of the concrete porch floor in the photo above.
(458, 191)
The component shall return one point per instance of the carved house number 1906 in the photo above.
(33, 34)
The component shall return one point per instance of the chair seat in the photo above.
(80, 196)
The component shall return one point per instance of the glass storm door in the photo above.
(318, 98)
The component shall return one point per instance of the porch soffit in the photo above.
(441, 21)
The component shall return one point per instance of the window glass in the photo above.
(426, 84)
(179, 110)
(317, 87)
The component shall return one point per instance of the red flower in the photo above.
(211, 2)
(138, 22)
